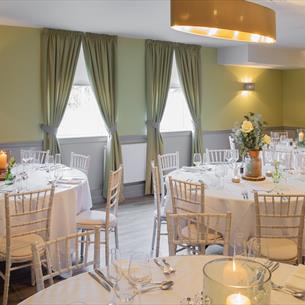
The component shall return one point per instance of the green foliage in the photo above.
(252, 140)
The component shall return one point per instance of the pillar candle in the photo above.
(3, 160)
(301, 136)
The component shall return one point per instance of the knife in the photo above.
(103, 276)
(99, 281)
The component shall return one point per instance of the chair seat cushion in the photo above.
(89, 219)
(21, 246)
(278, 249)
(213, 236)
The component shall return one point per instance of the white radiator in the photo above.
(134, 160)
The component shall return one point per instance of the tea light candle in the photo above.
(237, 299)
(3, 160)
(269, 173)
(301, 136)
(235, 179)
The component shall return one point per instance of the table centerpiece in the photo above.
(249, 136)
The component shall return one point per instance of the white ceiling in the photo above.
(139, 18)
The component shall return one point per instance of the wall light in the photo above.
(248, 86)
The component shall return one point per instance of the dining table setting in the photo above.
(194, 280)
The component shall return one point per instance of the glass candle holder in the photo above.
(301, 137)
(236, 281)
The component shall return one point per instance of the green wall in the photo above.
(20, 109)
(294, 98)
(222, 101)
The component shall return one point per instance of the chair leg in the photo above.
(33, 279)
(116, 237)
(153, 238)
(82, 247)
(6, 282)
(107, 247)
(158, 237)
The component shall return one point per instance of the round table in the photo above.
(229, 196)
(188, 281)
(72, 196)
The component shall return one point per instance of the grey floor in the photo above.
(135, 231)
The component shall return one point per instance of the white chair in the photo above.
(232, 142)
(280, 226)
(193, 230)
(107, 221)
(159, 212)
(81, 162)
(28, 217)
(167, 163)
(217, 156)
(187, 197)
(52, 262)
(37, 156)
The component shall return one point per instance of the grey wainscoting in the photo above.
(94, 146)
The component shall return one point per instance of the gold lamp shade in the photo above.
(237, 20)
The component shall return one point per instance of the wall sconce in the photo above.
(248, 86)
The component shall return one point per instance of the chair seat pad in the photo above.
(278, 249)
(21, 246)
(90, 218)
(213, 236)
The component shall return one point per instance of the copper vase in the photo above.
(253, 166)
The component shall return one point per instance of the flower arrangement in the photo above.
(249, 134)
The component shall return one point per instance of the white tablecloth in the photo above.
(69, 200)
(229, 197)
(188, 282)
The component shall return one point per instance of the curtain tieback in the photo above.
(51, 130)
(197, 124)
(152, 124)
(113, 128)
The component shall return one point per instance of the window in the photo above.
(82, 117)
(176, 115)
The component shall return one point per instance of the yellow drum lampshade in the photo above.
(237, 20)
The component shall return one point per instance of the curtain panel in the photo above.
(189, 66)
(158, 68)
(100, 53)
(59, 56)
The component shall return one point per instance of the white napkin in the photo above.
(191, 169)
(297, 279)
(69, 181)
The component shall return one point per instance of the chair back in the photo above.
(113, 193)
(217, 156)
(36, 156)
(81, 162)
(63, 245)
(28, 213)
(167, 163)
(280, 216)
(187, 197)
(158, 200)
(232, 143)
(189, 229)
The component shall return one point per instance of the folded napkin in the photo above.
(191, 169)
(297, 279)
(69, 181)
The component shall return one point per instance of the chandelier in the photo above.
(237, 20)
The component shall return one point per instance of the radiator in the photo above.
(134, 160)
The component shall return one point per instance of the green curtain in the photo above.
(158, 68)
(100, 56)
(188, 63)
(59, 56)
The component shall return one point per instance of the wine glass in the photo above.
(220, 172)
(114, 271)
(139, 270)
(197, 159)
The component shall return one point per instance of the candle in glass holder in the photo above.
(301, 136)
(237, 299)
(3, 160)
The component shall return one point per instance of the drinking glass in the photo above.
(57, 160)
(139, 270)
(114, 272)
(239, 245)
(197, 159)
(220, 172)
(50, 167)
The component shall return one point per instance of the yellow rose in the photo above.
(266, 139)
(246, 126)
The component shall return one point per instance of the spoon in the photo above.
(165, 285)
(170, 268)
(165, 268)
(296, 294)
